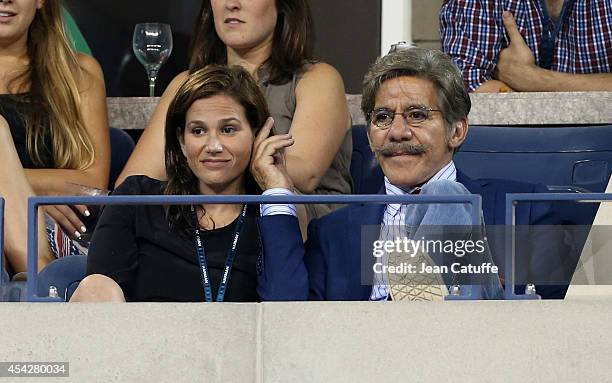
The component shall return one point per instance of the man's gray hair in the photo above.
(427, 64)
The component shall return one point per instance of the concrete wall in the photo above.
(396, 23)
(425, 25)
(412, 21)
(572, 108)
(540, 341)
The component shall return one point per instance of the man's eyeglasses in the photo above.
(382, 118)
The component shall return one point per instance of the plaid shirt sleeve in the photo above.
(472, 35)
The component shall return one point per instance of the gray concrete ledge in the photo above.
(134, 342)
(539, 108)
(576, 108)
(130, 112)
(542, 341)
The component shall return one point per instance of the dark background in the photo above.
(347, 37)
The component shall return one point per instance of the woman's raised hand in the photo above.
(268, 158)
(68, 219)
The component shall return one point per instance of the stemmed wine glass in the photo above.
(152, 44)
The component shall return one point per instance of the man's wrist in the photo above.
(278, 209)
(547, 80)
(493, 86)
(536, 79)
(278, 191)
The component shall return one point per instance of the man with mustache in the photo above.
(416, 107)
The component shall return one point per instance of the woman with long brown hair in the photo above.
(273, 40)
(150, 253)
(53, 125)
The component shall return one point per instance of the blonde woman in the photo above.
(53, 127)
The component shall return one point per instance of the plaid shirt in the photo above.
(473, 34)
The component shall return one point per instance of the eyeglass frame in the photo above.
(394, 113)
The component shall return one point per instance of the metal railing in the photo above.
(35, 202)
(3, 274)
(512, 200)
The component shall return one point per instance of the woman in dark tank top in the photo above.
(53, 127)
(14, 107)
(273, 40)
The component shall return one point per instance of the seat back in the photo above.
(365, 171)
(63, 273)
(122, 146)
(566, 159)
(4, 276)
(4, 279)
(578, 156)
(15, 291)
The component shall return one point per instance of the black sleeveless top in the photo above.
(15, 108)
(135, 246)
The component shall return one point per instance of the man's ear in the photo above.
(458, 134)
(369, 139)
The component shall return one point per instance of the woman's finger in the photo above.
(68, 220)
(272, 142)
(83, 210)
(270, 151)
(277, 147)
(268, 167)
(268, 140)
(264, 132)
(61, 220)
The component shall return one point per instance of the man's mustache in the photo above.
(400, 148)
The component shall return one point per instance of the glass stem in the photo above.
(152, 78)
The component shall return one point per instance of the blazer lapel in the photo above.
(488, 197)
(361, 245)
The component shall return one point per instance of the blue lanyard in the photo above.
(231, 256)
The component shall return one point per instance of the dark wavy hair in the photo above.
(212, 80)
(292, 44)
(428, 64)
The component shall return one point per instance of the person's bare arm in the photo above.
(148, 155)
(493, 86)
(542, 80)
(319, 126)
(516, 67)
(93, 110)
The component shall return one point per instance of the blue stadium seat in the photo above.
(365, 171)
(566, 159)
(122, 146)
(578, 156)
(63, 273)
(4, 280)
(11, 291)
(14, 292)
